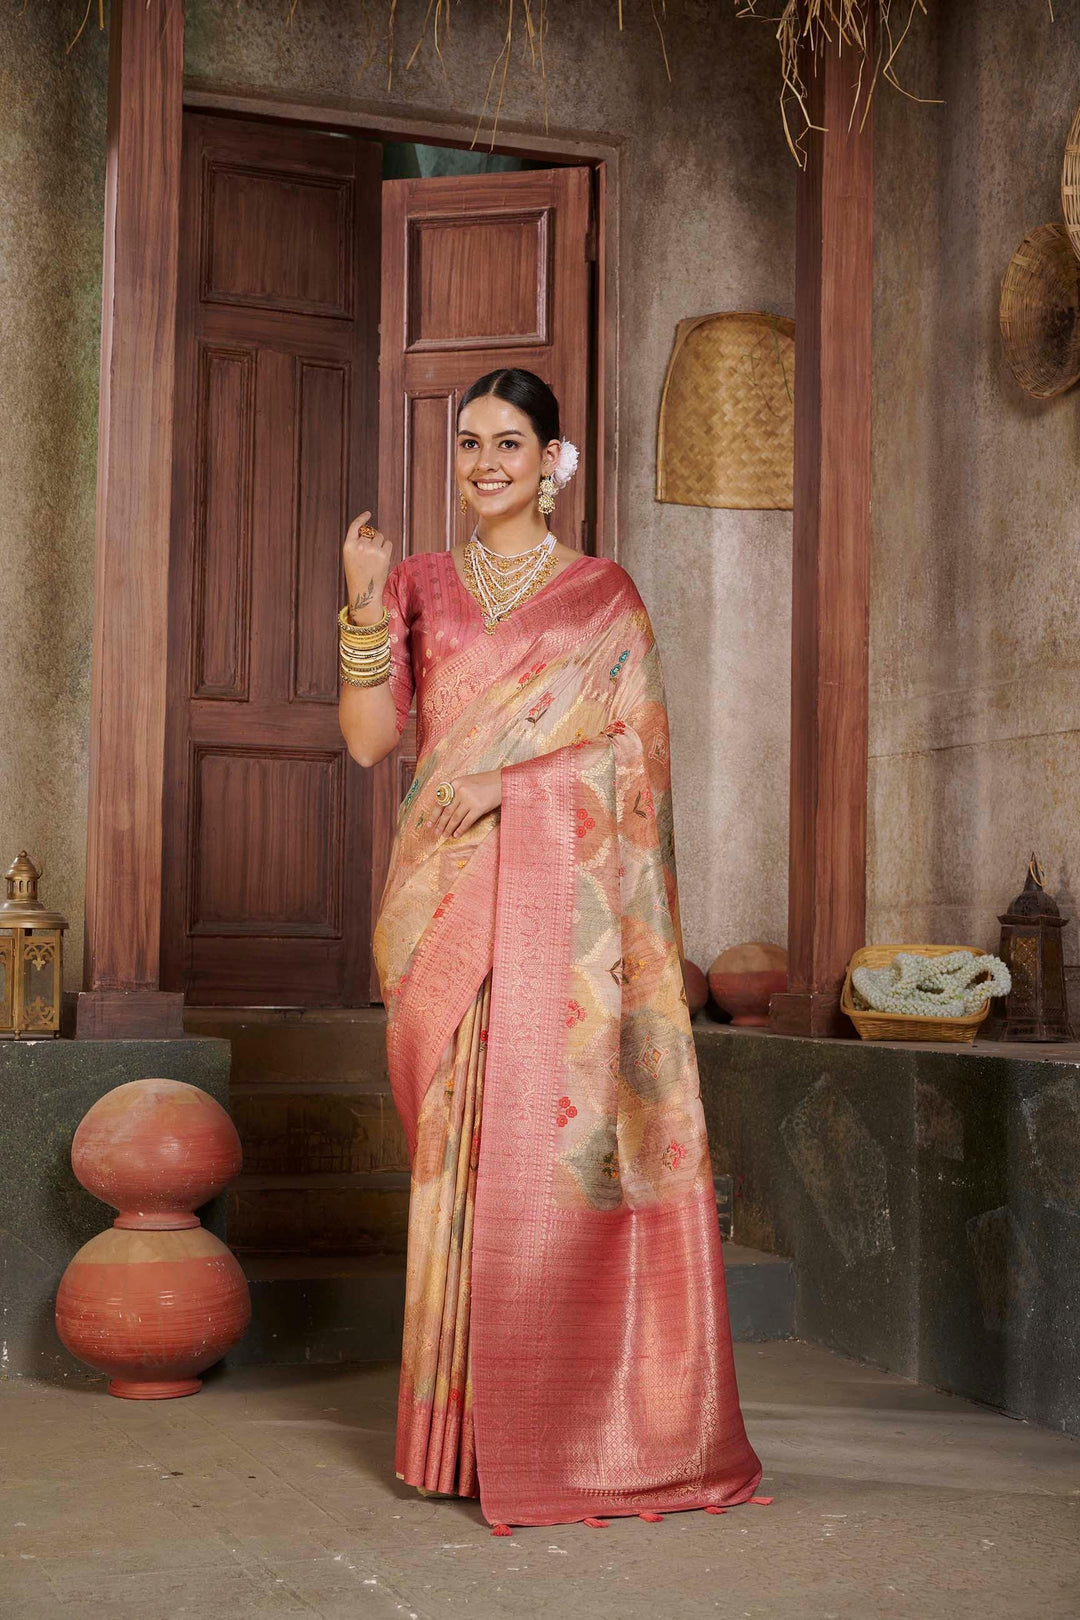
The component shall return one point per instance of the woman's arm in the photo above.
(367, 714)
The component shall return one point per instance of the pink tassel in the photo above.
(596, 1524)
(762, 1501)
(712, 1509)
(501, 1530)
(651, 1518)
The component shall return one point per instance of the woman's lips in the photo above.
(490, 487)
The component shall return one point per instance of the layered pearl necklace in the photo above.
(499, 583)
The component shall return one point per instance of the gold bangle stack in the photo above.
(364, 650)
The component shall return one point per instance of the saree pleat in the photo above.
(435, 1446)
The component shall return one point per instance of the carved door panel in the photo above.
(478, 272)
(267, 827)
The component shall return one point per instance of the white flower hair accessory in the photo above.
(566, 466)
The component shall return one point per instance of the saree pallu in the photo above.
(567, 1348)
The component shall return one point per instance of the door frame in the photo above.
(831, 519)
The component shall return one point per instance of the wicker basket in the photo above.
(882, 1026)
(1040, 312)
(727, 413)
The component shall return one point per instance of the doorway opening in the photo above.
(337, 295)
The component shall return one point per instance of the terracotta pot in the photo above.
(744, 977)
(156, 1300)
(697, 987)
(152, 1309)
(156, 1150)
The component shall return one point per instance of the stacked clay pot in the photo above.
(743, 977)
(157, 1299)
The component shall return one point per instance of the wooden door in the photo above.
(478, 272)
(267, 822)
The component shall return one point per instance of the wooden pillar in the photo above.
(122, 995)
(831, 557)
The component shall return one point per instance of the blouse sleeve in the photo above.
(396, 597)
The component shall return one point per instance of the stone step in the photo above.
(298, 1046)
(319, 1128)
(346, 1307)
(364, 1213)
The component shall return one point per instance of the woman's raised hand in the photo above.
(367, 562)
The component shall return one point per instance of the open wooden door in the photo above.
(478, 272)
(267, 829)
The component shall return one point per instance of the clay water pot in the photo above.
(743, 977)
(156, 1150)
(157, 1299)
(697, 987)
(152, 1309)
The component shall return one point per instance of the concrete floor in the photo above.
(272, 1493)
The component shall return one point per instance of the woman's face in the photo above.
(500, 460)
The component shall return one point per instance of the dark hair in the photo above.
(526, 391)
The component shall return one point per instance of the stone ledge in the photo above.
(928, 1194)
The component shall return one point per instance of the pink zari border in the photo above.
(600, 1346)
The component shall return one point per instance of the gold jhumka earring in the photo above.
(546, 498)
(464, 499)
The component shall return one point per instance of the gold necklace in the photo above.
(500, 584)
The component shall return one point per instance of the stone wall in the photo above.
(707, 224)
(52, 191)
(975, 604)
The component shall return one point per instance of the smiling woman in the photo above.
(566, 1351)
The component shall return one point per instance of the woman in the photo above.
(566, 1352)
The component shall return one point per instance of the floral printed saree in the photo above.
(567, 1352)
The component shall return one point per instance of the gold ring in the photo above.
(444, 793)
(367, 531)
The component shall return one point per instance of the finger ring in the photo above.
(367, 531)
(444, 793)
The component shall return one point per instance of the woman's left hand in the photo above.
(473, 797)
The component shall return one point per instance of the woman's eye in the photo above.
(509, 444)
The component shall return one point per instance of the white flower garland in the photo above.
(950, 986)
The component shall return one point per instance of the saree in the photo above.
(567, 1351)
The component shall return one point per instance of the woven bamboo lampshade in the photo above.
(1040, 312)
(727, 413)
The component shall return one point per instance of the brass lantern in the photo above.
(31, 957)
(1035, 1007)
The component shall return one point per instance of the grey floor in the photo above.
(272, 1493)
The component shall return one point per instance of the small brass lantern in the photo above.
(31, 957)
(1036, 1007)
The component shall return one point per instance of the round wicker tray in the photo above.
(1040, 312)
(880, 1026)
(1070, 182)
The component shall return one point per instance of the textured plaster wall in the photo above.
(975, 609)
(707, 224)
(52, 180)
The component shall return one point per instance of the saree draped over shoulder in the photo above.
(567, 1352)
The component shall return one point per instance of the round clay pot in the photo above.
(156, 1150)
(697, 987)
(152, 1309)
(744, 977)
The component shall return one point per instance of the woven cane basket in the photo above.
(1040, 312)
(727, 413)
(880, 1026)
(1070, 182)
